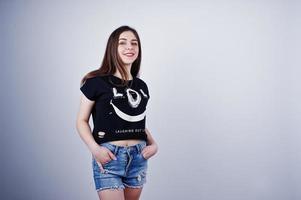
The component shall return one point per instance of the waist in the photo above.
(126, 143)
(133, 148)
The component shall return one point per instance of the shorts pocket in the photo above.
(96, 169)
(140, 155)
(108, 146)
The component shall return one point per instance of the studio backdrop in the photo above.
(223, 77)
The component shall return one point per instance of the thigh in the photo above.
(132, 193)
(109, 194)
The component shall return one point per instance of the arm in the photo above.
(151, 148)
(82, 123)
(150, 139)
(101, 154)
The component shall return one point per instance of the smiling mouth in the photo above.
(129, 54)
(130, 118)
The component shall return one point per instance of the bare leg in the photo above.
(132, 193)
(111, 194)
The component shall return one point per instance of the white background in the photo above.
(225, 96)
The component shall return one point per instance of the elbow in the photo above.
(80, 122)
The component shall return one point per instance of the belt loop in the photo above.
(138, 148)
(115, 149)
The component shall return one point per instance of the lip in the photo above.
(130, 54)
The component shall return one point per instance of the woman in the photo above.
(120, 143)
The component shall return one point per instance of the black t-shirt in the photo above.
(119, 112)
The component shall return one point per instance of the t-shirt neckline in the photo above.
(119, 79)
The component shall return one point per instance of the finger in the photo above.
(145, 155)
(112, 156)
(100, 166)
(144, 150)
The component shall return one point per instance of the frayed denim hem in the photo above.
(135, 186)
(111, 187)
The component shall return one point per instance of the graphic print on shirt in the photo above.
(133, 101)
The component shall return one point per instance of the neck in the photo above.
(128, 70)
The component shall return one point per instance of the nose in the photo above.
(129, 46)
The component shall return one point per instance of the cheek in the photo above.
(137, 51)
(119, 50)
(120, 54)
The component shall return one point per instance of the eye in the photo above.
(135, 44)
(122, 43)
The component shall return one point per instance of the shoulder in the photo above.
(97, 79)
(96, 82)
(143, 84)
(141, 81)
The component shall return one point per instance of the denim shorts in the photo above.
(129, 170)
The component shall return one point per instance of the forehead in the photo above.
(127, 35)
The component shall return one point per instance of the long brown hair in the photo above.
(111, 60)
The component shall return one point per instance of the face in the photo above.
(128, 48)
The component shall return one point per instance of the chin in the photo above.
(127, 62)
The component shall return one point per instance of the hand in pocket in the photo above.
(149, 150)
(102, 156)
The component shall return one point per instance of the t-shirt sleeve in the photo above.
(90, 88)
(147, 91)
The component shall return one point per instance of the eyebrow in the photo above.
(125, 39)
